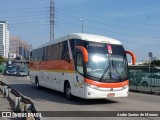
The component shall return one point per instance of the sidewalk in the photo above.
(4, 104)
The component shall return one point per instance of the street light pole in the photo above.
(82, 23)
(150, 56)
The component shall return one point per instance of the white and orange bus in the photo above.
(83, 65)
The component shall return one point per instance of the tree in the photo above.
(1, 59)
(155, 63)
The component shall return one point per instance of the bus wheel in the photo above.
(68, 92)
(37, 83)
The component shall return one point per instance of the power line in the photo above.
(26, 14)
(106, 24)
(110, 31)
(64, 27)
(71, 18)
(21, 9)
(87, 26)
(22, 26)
(30, 22)
(102, 17)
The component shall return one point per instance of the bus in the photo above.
(82, 65)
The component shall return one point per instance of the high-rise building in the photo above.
(19, 47)
(4, 39)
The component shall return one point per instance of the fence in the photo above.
(21, 103)
(144, 79)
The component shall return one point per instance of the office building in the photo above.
(4, 39)
(18, 47)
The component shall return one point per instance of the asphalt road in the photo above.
(49, 100)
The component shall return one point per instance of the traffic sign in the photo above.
(150, 54)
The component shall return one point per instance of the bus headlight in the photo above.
(89, 85)
(124, 87)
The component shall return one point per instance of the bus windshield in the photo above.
(107, 63)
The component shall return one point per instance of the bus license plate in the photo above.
(110, 94)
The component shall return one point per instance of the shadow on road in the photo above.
(45, 94)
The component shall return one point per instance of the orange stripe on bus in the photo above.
(52, 65)
(106, 85)
(63, 71)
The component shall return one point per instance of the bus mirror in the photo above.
(133, 57)
(84, 52)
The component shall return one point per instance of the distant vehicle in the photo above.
(16, 70)
(151, 80)
(135, 77)
(83, 65)
(11, 70)
(23, 71)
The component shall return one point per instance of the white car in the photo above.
(151, 80)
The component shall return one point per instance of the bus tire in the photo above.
(67, 92)
(37, 83)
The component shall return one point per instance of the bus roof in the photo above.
(83, 36)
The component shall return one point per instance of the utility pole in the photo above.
(82, 24)
(52, 16)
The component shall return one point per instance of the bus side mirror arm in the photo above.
(84, 52)
(133, 56)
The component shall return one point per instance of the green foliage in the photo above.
(145, 63)
(155, 63)
(1, 59)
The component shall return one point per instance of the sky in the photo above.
(136, 23)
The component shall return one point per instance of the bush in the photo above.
(1, 59)
(155, 63)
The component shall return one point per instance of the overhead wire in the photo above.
(66, 13)
(19, 9)
(98, 16)
(87, 26)
(71, 18)
(106, 24)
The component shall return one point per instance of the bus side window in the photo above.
(31, 56)
(65, 52)
(79, 62)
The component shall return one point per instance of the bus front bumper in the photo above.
(92, 92)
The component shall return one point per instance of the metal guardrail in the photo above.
(21, 103)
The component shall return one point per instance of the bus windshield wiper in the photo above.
(114, 67)
(110, 68)
(106, 70)
(104, 73)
